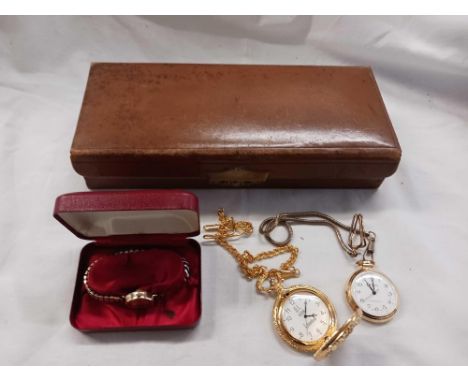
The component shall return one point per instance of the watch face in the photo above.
(305, 316)
(375, 294)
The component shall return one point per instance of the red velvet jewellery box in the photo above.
(140, 241)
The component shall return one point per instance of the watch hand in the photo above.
(369, 286)
(310, 315)
(307, 324)
(305, 308)
(371, 295)
(373, 285)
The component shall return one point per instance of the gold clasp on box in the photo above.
(238, 177)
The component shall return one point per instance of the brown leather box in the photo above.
(197, 125)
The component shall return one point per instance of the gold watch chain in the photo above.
(228, 228)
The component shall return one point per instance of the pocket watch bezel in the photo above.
(365, 315)
(334, 342)
(304, 346)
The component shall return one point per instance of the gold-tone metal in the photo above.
(95, 295)
(137, 299)
(339, 336)
(238, 177)
(305, 346)
(364, 266)
(228, 228)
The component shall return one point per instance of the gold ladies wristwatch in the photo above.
(137, 299)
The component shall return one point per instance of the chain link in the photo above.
(360, 242)
(228, 228)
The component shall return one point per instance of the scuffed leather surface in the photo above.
(164, 107)
(180, 123)
(419, 214)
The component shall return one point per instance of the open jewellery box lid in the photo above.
(107, 214)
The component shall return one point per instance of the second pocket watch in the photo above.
(373, 293)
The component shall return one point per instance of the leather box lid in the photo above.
(112, 214)
(169, 119)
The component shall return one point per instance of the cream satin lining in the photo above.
(109, 223)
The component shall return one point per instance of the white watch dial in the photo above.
(305, 317)
(374, 293)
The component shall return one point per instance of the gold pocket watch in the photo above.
(305, 319)
(373, 293)
(303, 316)
(367, 290)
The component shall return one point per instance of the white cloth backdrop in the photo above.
(420, 214)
